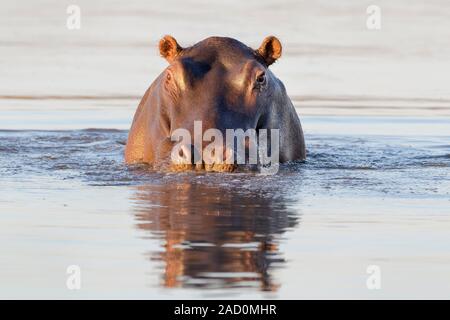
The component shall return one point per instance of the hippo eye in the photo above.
(261, 80)
(168, 76)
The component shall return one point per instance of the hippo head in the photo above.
(208, 89)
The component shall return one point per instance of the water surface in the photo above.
(309, 231)
(374, 190)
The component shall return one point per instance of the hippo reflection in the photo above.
(214, 236)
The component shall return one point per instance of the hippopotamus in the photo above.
(224, 84)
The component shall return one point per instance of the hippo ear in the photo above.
(270, 50)
(169, 48)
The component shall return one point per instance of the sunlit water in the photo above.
(374, 189)
(309, 231)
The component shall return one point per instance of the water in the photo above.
(329, 57)
(67, 198)
(374, 189)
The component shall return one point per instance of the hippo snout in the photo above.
(189, 157)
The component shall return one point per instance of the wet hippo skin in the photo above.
(221, 82)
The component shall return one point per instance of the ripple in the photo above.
(370, 164)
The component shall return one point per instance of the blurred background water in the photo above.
(375, 107)
(332, 64)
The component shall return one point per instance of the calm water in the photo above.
(375, 107)
(309, 231)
